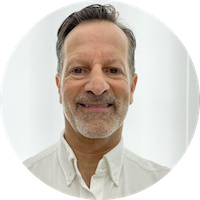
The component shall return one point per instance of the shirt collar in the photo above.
(66, 158)
(114, 161)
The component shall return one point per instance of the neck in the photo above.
(89, 151)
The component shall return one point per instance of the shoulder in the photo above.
(42, 156)
(142, 163)
(140, 172)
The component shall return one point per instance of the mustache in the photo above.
(91, 97)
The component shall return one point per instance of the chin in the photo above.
(96, 131)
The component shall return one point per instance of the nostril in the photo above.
(97, 85)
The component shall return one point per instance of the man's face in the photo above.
(95, 87)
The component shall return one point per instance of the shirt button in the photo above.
(103, 165)
(69, 179)
(115, 178)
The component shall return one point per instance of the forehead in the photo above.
(101, 36)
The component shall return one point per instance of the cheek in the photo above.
(121, 90)
(71, 89)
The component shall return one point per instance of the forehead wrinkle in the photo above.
(83, 58)
(74, 43)
(80, 57)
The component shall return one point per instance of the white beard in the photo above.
(95, 125)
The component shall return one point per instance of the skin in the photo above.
(95, 74)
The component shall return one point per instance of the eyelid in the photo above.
(72, 70)
(116, 68)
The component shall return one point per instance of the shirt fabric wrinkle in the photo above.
(119, 173)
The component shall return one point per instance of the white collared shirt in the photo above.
(119, 173)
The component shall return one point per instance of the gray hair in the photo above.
(93, 13)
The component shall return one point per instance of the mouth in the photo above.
(96, 106)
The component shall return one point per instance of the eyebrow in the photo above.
(113, 61)
(82, 61)
(70, 61)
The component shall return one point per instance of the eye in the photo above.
(78, 71)
(114, 71)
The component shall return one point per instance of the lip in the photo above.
(96, 107)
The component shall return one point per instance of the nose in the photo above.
(97, 82)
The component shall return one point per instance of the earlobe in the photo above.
(58, 86)
(133, 86)
(131, 99)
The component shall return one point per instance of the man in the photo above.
(96, 81)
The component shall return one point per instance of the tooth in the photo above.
(96, 106)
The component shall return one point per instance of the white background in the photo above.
(160, 122)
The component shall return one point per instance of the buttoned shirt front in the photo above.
(119, 173)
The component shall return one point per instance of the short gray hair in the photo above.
(93, 13)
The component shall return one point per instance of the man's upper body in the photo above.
(96, 81)
(119, 173)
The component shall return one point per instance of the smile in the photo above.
(96, 107)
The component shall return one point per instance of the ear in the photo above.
(58, 82)
(133, 86)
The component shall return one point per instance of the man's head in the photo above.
(96, 83)
(92, 13)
